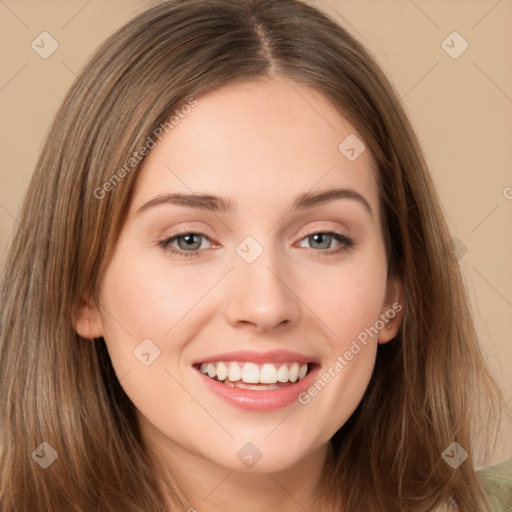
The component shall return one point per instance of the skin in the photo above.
(260, 144)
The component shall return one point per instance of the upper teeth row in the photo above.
(252, 373)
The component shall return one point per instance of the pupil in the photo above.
(318, 237)
(189, 240)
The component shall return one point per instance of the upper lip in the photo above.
(251, 356)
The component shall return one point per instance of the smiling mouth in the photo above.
(253, 376)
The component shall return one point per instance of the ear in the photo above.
(392, 312)
(87, 320)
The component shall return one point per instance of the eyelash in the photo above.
(347, 243)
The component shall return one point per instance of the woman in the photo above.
(245, 366)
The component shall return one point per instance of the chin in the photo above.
(261, 456)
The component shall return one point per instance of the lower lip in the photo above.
(262, 401)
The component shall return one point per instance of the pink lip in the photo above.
(260, 401)
(250, 356)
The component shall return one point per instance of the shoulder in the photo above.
(497, 483)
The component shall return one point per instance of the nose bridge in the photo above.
(259, 287)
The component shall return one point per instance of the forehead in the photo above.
(255, 141)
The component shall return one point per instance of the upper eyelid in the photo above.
(201, 231)
(180, 234)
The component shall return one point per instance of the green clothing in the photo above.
(497, 483)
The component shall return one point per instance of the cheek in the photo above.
(338, 390)
(350, 304)
(147, 300)
(156, 308)
(347, 300)
(148, 309)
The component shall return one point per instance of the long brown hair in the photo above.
(59, 388)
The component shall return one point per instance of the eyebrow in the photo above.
(221, 205)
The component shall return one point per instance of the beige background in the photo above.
(461, 108)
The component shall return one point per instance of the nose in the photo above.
(261, 296)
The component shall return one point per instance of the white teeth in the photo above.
(222, 371)
(235, 372)
(252, 373)
(293, 372)
(212, 370)
(282, 373)
(268, 374)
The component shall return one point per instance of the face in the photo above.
(269, 282)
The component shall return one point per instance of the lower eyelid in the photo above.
(168, 241)
(344, 243)
(339, 237)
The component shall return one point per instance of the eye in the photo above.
(325, 240)
(189, 244)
